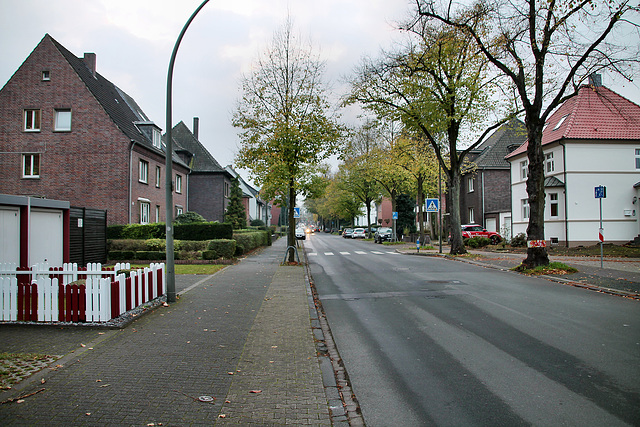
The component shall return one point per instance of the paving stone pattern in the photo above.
(154, 370)
(279, 381)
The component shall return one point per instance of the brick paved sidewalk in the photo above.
(279, 379)
(153, 371)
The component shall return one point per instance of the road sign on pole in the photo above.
(296, 213)
(395, 215)
(433, 205)
(600, 192)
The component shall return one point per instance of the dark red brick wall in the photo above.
(88, 166)
(206, 195)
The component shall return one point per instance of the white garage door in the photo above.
(10, 235)
(491, 224)
(45, 237)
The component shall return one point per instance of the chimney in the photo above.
(90, 62)
(196, 124)
(595, 80)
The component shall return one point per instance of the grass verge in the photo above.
(190, 268)
(552, 268)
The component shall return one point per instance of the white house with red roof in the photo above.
(591, 140)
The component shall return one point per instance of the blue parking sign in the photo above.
(601, 192)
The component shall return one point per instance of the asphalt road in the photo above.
(430, 341)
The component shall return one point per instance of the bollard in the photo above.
(418, 245)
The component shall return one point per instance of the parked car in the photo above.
(347, 232)
(359, 233)
(383, 234)
(300, 234)
(474, 230)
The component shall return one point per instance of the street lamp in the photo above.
(170, 274)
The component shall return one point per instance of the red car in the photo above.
(473, 230)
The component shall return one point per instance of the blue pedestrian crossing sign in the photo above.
(395, 215)
(432, 205)
(296, 212)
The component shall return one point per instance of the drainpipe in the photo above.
(484, 219)
(133, 143)
(566, 204)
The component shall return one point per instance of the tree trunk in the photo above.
(291, 231)
(536, 256)
(420, 202)
(457, 245)
(368, 203)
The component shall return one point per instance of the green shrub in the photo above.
(121, 255)
(156, 244)
(115, 231)
(477, 242)
(188, 255)
(202, 231)
(519, 240)
(225, 248)
(210, 255)
(239, 250)
(189, 218)
(127, 245)
(144, 231)
(190, 245)
(151, 255)
(257, 223)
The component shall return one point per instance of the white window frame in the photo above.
(524, 169)
(158, 176)
(472, 217)
(32, 120)
(553, 203)
(157, 138)
(470, 187)
(145, 210)
(30, 162)
(178, 184)
(637, 158)
(157, 213)
(46, 75)
(179, 210)
(59, 124)
(143, 171)
(525, 209)
(549, 164)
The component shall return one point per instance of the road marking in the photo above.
(361, 252)
(313, 254)
(345, 253)
(328, 253)
(377, 253)
(393, 253)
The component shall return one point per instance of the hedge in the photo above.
(224, 248)
(194, 231)
(249, 240)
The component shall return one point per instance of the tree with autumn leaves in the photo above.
(285, 121)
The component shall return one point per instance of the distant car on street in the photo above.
(347, 232)
(383, 234)
(475, 230)
(358, 233)
(300, 234)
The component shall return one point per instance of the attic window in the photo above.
(157, 138)
(46, 76)
(560, 122)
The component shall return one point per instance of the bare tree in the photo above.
(547, 49)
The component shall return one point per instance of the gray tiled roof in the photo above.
(122, 108)
(201, 159)
(504, 140)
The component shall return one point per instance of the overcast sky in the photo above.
(133, 40)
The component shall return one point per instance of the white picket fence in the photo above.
(142, 286)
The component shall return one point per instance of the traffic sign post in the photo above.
(433, 205)
(395, 235)
(600, 193)
(296, 213)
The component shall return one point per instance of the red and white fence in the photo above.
(46, 294)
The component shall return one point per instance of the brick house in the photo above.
(209, 183)
(485, 195)
(254, 206)
(591, 140)
(67, 133)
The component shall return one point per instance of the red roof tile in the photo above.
(595, 113)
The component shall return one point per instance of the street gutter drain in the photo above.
(205, 399)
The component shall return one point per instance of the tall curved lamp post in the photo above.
(170, 274)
